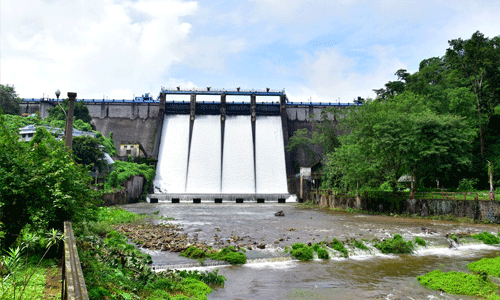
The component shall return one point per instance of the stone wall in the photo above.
(481, 210)
(130, 194)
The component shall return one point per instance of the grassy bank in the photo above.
(115, 269)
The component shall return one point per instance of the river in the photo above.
(272, 274)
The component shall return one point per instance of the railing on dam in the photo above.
(140, 100)
(441, 195)
(73, 286)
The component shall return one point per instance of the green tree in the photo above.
(9, 102)
(400, 136)
(40, 183)
(320, 141)
(88, 151)
(478, 60)
(81, 112)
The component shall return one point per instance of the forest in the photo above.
(439, 126)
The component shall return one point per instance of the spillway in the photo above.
(209, 156)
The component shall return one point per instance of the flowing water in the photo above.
(272, 274)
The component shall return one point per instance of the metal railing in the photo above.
(483, 196)
(73, 286)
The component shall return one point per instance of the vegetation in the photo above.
(458, 283)
(302, 251)
(396, 245)
(487, 238)
(9, 102)
(420, 241)
(490, 266)
(229, 255)
(440, 126)
(114, 269)
(339, 246)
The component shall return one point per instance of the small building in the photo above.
(131, 149)
(28, 131)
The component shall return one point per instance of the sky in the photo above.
(318, 50)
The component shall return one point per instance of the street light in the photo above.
(58, 93)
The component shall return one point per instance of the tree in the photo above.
(81, 112)
(320, 141)
(400, 136)
(9, 102)
(478, 61)
(88, 151)
(40, 183)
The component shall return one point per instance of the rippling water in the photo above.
(272, 274)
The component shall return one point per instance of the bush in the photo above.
(395, 245)
(302, 252)
(420, 241)
(458, 283)
(194, 253)
(467, 184)
(234, 258)
(337, 245)
(360, 245)
(489, 266)
(323, 254)
(487, 238)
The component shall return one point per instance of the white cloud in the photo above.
(333, 77)
(92, 48)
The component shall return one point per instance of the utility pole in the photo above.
(69, 120)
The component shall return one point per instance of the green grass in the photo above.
(420, 241)
(490, 266)
(458, 283)
(396, 245)
(487, 238)
(302, 252)
(36, 285)
(339, 246)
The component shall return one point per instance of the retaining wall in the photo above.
(480, 210)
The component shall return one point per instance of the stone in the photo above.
(280, 214)
(261, 246)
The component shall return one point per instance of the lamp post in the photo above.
(69, 120)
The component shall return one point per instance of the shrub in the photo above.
(323, 254)
(420, 241)
(360, 245)
(194, 253)
(338, 246)
(487, 238)
(302, 253)
(490, 266)
(234, 258)
(395, 245)
(458, 283)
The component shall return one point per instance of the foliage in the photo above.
(490, 266)
(124, 170)
(396, 137)
(9, 102)
(360, 245)
(467, 184)
(18, 278)
(323, 254)
(339, 246)
(194, 253)
(302, 252)
(87, 151)
(234, 258)
(395, 245)
(40, 184)
(81, 112)
(458, 283)
(487, 238)
(420, 241)
(210, 278)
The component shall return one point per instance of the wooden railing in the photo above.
(73, 286)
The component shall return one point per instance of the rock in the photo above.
(249, 247)
(261, 246)
(291, 229)
(217, 229)
(280, 214)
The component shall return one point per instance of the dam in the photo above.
(231, 149)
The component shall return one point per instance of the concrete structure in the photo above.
(140, 121)
(28, 131)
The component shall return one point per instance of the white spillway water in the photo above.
(173, 155)
(204, 170)
(238, 167)
(270, 155)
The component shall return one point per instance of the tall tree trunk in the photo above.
(490, 173)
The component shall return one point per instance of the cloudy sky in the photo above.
(314, 49)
